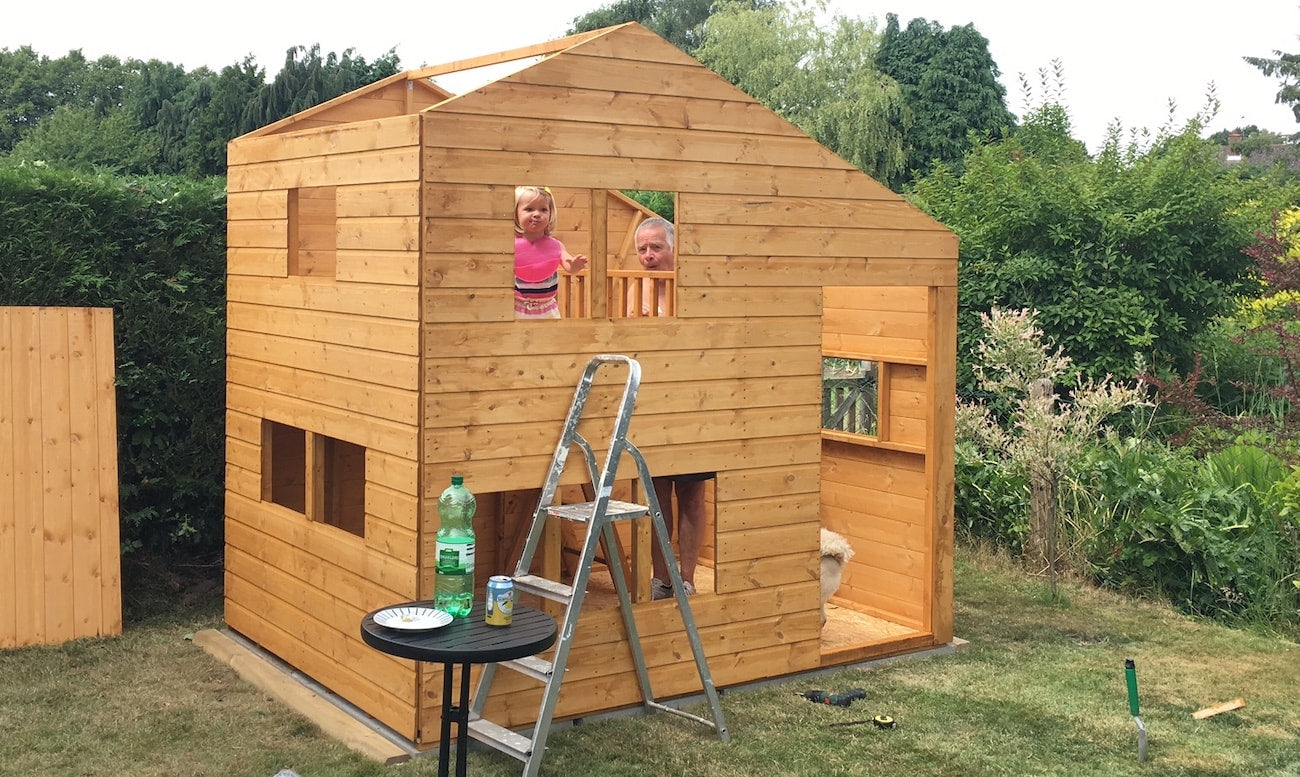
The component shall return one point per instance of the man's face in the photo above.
(654, 250)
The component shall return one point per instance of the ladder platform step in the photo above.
(583, 512)
(547, 589)
(534, 667)
(501, 738)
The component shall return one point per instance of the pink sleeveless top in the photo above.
(535, 262)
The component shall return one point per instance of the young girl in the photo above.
(538, 256)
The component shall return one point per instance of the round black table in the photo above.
(462, 642)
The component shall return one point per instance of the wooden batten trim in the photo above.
(512, 55)
(599, 251)
(881, 648)
(939, 462)
(869, 442)
(875, 356)
(424, 207)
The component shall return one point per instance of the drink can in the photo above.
(500, 601)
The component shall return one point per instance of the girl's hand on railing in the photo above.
(573, 264)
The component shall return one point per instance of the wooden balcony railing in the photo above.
(574, 297)
(644, 294)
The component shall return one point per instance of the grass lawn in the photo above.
(1040, 691)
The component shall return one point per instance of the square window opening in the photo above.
(567, 266)
(313, 232)
(851, 395)
(344, 486)
(284, 466)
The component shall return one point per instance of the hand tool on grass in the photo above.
(1130, 676)
(842, 699)
(880, 721)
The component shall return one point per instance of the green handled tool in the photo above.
(1130, 676)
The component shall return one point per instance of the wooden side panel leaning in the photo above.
(60, 564)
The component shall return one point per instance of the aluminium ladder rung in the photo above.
(501, 738)
(534, 667)
(545, 588)
(583, 512)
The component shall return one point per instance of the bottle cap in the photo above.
(457, 480)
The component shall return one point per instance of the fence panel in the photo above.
(60, 562)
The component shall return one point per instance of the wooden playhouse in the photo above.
(373, 352)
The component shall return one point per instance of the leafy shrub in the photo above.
(1029, 429)
(662, 203)
(153, 250)
(1205, 533)
(1128, 253)
(1264, 399)
(991, 501)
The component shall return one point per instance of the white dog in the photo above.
(836, 552)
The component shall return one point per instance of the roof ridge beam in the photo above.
(513, 55)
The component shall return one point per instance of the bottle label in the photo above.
(455, 558)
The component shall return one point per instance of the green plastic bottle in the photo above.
(453, 582)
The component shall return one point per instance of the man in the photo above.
(655, 250)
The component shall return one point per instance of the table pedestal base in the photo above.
(457, 713)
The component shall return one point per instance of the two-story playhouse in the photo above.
(373, 352)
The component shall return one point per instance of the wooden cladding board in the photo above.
(300, 589)
(909, 405)
(60, 569)
(765, 269)
(878, 500)
(335, 354)
(876, 323)
(494, 407)
(748, 635)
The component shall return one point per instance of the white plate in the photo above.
(412, 618)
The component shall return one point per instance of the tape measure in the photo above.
(883, 721)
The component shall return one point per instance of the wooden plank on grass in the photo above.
(1218, 709)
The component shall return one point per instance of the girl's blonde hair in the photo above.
(531, 192)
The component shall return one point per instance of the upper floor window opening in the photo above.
(567, 266)
(313, 232)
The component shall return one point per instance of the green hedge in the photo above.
(153, 249)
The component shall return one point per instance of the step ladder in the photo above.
(599, 516)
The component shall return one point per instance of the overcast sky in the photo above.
(1123, 59)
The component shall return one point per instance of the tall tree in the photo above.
(218, 110)
(680, 22)
(308, 79)
(825, 83)
(152, 117)
(1286, 69)
(88, 127)
(75, 136)
(32, 87)
(950, 85)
